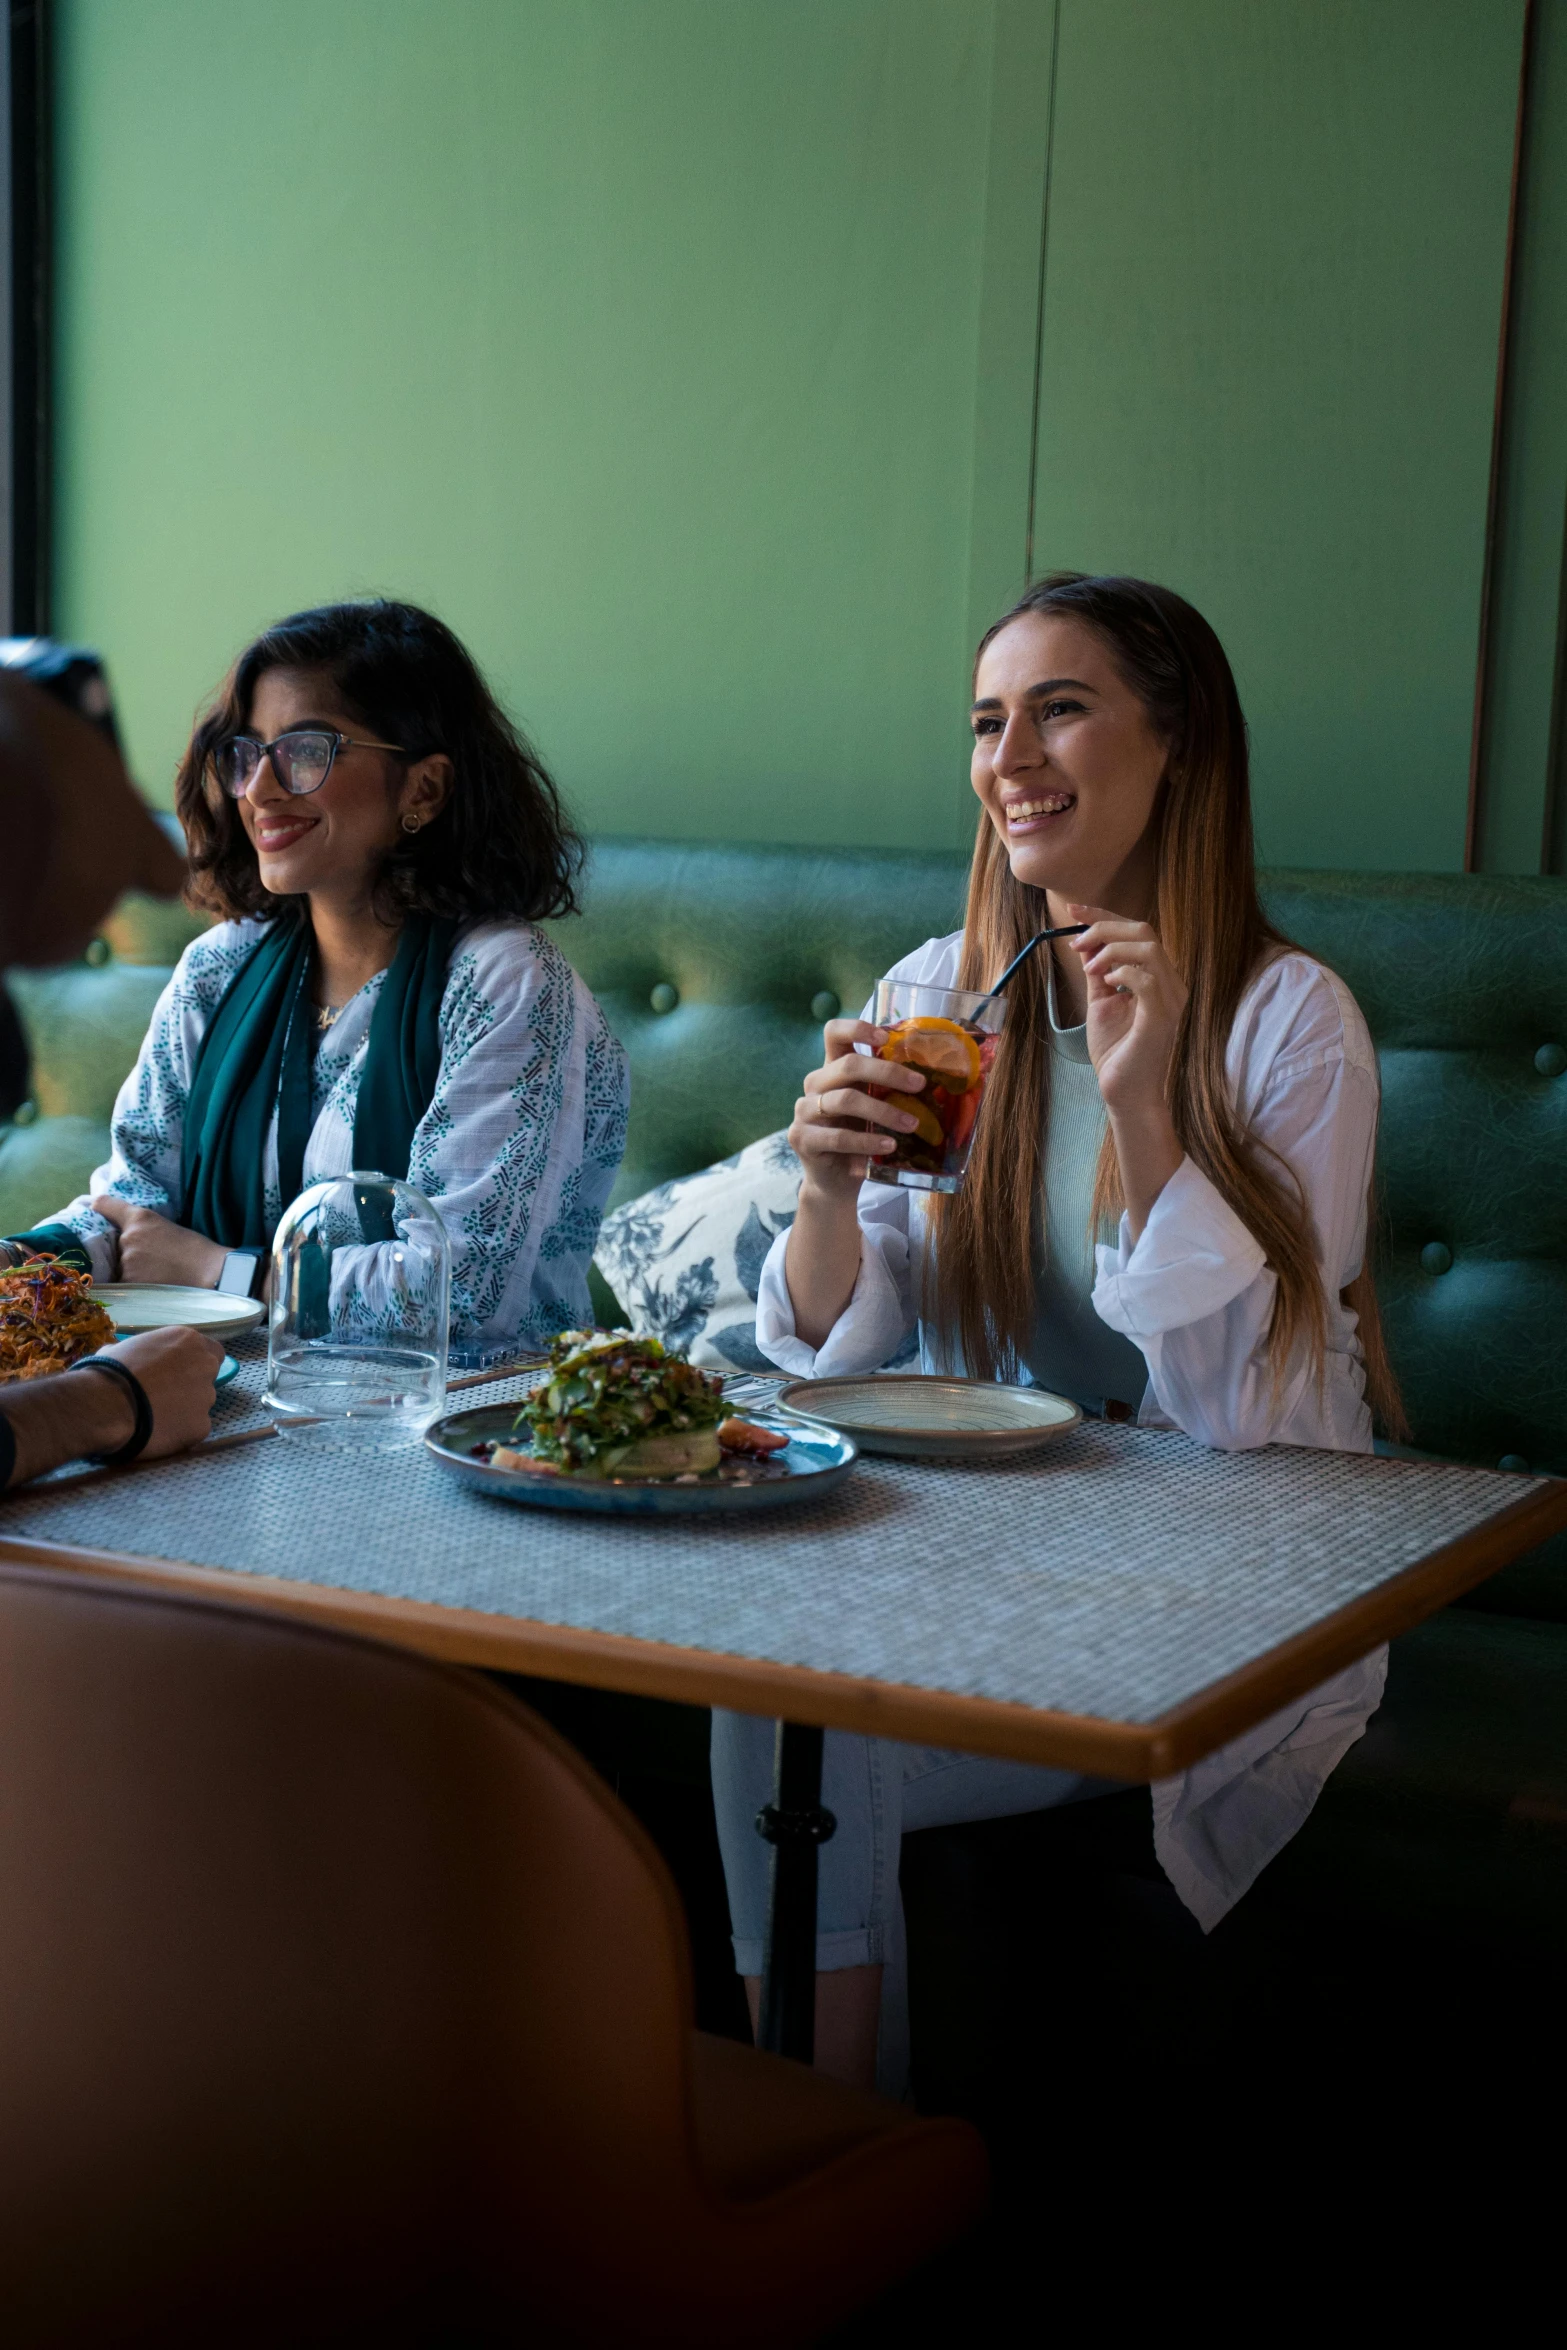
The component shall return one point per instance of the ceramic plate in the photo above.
(814, 1461)
(164, 1305)
(934, 1419)
(228, 1369)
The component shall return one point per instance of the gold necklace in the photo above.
(328, 1016)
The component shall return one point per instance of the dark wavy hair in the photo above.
(501, 845)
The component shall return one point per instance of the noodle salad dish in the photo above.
(49, 1319)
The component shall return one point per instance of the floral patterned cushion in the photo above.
(685, 1259)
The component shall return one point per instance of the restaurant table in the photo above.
(1122, 1602)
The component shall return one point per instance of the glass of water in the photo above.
(361, 1307)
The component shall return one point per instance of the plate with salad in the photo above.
(626, 1426)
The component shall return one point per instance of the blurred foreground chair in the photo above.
(340, 2001)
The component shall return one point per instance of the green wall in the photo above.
(1273, 291)
(717, 367)
(637, 336)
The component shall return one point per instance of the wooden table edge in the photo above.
(641, 1668)
(802, 1693)
(1228, 1707)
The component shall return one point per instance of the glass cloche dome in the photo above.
(361, 1306)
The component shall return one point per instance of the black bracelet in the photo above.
(141, 1434)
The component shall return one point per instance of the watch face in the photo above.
(239, 1271)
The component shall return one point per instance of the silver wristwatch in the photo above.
(240, 1269)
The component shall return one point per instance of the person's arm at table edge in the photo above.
(61, 1419)
(77, 1415)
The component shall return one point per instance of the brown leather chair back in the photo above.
(328, 1978)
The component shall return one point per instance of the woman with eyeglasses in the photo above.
(1164, 1217)
(379, 844)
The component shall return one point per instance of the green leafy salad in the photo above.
(614, 1402)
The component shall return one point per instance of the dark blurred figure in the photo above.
(74, 832)
(74, 835)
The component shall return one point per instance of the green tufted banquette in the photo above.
(716, 966)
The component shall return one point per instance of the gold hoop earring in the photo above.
(412, 823)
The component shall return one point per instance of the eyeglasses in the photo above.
(301, 760)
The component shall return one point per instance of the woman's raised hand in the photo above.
(828, 1135)
(1135, 1001)
(153, 1249)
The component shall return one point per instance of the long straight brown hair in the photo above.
(1211, 923)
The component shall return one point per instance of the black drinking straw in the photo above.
(1067, 930)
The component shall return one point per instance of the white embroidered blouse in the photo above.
(1194, 1294)
(519, 1146)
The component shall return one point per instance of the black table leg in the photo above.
(794, 1823)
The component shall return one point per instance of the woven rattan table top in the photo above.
(1124, 1600)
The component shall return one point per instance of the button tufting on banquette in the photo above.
(755, 942)
(1457, 976)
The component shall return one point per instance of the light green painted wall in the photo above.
(1273, 285)
(683, 354)
(637, 336)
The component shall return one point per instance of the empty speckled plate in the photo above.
(929, 1419)
(170, 1305)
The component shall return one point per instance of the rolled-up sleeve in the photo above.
(880, 1314)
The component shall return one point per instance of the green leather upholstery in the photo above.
(1464, 984)
(708, 962)
(78, 1021)
(84, 1023)
(717, 965)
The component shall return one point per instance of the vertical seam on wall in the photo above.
(1477, 746)
(1553, 829)
(1039, 311)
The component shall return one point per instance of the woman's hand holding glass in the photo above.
(828, 1135)
(838, 1126)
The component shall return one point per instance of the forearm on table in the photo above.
(64, 1418)
(1148, 1153)
(822, 1263)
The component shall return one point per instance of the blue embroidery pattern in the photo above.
(520, 1144)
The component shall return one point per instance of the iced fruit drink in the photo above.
(951, 1038)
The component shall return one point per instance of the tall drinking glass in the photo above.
(951, 1036)
(361, 1308)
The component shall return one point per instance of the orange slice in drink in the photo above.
(940, 1047)
(926, 1123)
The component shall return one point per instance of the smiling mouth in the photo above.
(270, 838)
(1026, 815)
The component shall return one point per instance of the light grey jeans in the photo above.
(875, 1789)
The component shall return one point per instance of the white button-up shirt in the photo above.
(1195, 1295)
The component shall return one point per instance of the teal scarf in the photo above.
(255, 1057)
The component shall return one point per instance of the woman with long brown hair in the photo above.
(1165, 1215)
